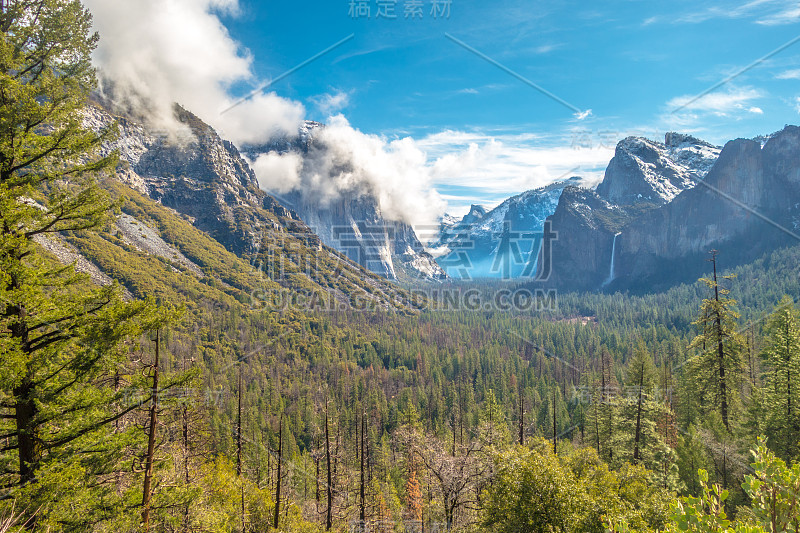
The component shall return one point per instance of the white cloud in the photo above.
(505, 165)
(279, 173)
(157, 52)
(797, 103)
(345, 161)
(332, 103)
(793, 74)
(717, 103)
(788, 16)
(756, 110)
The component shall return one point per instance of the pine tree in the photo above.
(59, 335)
(493, 430)
(636, 437)
(781, 392)
(716, 371)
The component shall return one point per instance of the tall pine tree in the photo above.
(781, 393)
(59, 336)
(716, 371)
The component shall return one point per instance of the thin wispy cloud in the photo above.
(719, 103)
(546, 48)
(728, 10)
(789, 16)
(793, 74)
(332, 103)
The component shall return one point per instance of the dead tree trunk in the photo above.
(239, 444)
(723, 386)
(362, 493)
(329, 513)
(636, 440)
(555, 427)
(151, 441)
(280, 464)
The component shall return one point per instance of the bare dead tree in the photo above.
(151, 439)
(276, 520)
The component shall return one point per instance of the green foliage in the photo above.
(774, 489)
(535, 490)
(781, 354)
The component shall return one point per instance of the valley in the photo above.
(219, 315)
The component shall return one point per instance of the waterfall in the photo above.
(613, 253)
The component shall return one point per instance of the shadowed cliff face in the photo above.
(354, 225)
(746, 206)
(585, 224)
(735, 208)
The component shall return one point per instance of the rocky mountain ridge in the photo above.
(203, 179)
(744, 204)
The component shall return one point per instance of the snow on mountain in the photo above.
(648, 171)
(504, 242)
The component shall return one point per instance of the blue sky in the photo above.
(624, 60)
(486, 134)
(630, 62)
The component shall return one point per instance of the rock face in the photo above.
(647, 171)
(201, 176)
(355, 226)
(748, 204)
(502, 243)
(353, 223)
(585, 225)
(670, 207)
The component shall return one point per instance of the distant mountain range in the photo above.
(743, 200)
(501, 243)
(648, 225)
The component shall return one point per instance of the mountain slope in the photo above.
(213, 214)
